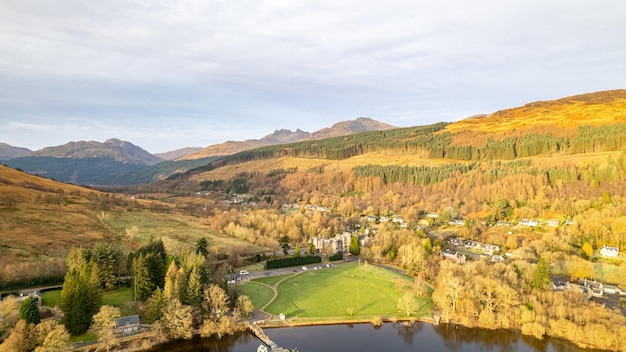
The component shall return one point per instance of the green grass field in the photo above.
(271, 280)
(112, 298)
(259, 294)
(329, 293)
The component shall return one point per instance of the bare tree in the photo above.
(103, 216)
(131, 232)
(407, 304)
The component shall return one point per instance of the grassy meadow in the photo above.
(118, 297)
(366, 290)
(176, 230)
(258, 293)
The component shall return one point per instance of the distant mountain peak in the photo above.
(178, 153)
(9, 152)
(113, 148)
(361, 124)
(285, 136)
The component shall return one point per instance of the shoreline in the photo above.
(317, 322)
(128, 342)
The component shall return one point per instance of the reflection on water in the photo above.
(389, 337)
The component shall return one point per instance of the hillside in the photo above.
(120, 151)
(90, 163)
(178, 153)
(588, 123)
(41, 219)
(561, 117)
(362, 124)
(160, 171)
(286, 136)
(10, 152)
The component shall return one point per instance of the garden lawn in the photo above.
(271, 280)
(259, 294)
(369, 290)
(51, 298)
(112, 298)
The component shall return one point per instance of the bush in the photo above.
(377, 321)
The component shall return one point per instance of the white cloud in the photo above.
(274, 64)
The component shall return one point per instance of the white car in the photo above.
(244, 272)
(305, 268)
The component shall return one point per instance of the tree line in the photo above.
(175, 292)
(438, 144)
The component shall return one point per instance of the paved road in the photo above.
(284, 271)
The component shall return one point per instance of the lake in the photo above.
(389, 337)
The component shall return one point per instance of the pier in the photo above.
(258, 332)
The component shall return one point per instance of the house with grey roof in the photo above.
(127, 325)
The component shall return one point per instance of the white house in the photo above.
(553, 223)
(609, 252)
(529, 222)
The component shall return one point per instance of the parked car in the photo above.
(305, 268)
(244, 272)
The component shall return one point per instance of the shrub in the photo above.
(377, 321)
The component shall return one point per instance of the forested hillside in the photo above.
(583, 124)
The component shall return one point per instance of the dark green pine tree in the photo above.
(284, 244)
(155, 258)
(29, 310)
(80, 298)
(107, 258)
(202, 246)
(143, 284)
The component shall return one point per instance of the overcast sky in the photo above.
(171, 74)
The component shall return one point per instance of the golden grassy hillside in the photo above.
(303, 164)
(40, 220)
(560, 117)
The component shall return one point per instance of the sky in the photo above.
(170, 74)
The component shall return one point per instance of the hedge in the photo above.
(292, 261)
(336, 256)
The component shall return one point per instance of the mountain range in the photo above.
(283, 136)
(121, 162)
(539, 127)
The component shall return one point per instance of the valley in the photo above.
(528, 197)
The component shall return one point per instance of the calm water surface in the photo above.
(389, 337)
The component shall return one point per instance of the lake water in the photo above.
(389, 337)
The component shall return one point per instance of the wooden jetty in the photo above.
(258, 332)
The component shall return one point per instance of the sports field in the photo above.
(346, 291)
